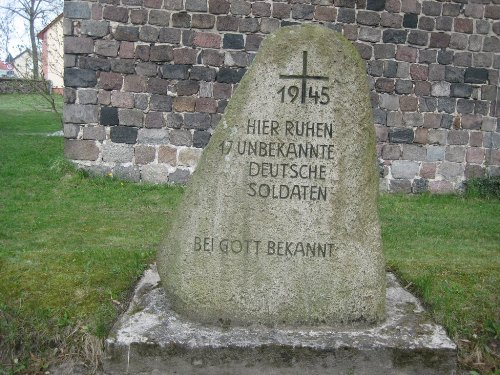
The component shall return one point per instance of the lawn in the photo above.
(72, 247)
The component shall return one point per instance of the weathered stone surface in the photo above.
(79, 78)
(80, 149)
(129, 173)
(155, 173)
(118, 153)
(80, 114)
(76, 10)
(189, 157)
(130, 117)
(94, 132)
(249, 228)
(404, 169)
(179, 176)
(152, 339)
(152, 136)
(123, 134)
(71, 131)
(167, 154)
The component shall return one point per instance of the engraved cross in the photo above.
(304, 77)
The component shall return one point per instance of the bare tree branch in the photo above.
(34, 12)
(5, 31)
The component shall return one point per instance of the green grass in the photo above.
(448, 249)
(72, 247)
(28, 114)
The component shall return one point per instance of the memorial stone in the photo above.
(279, 225)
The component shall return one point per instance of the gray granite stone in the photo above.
(307, 242)
(150, 338)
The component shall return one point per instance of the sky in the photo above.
(19, 38)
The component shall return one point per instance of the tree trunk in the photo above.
(34, 49)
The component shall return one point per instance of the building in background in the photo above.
(23, 65)
(53, 53)
(6, 69)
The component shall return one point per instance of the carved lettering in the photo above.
(241, 247)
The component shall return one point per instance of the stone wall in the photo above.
(22, 86)
(147, 81)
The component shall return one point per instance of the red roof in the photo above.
(4, 66)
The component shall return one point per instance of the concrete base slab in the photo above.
(152, 339)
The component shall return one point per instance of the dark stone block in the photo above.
(465, 106)
(384, 51)
(369, 18)
(289, 23)
(481, 107)
(461, 90)
(454, 75)
(302, 11)
(445, 57)
(187, 87)
(117, 14)
(345, 3)
(126, 66)
(170, 35)
(148, 34)
(401, 135)
(182, 19)
(420, 185)
(233, 41)
(375, 68)
(446, 105)
(375, 4)
(452, 10)
(346, 15)
(476, 75)
(444, 23)
(404, 86)
(123, 134)
(427, 104)
(69, 95)
(462, 59)
(202, 73)
(161, 53)
(80, 78)
(228, 75)
(250, 25)
(446, 121)
(431, 8)
(76, 10)
(410, 20)
(196, 5)
(109, 116)
(197, 121)
(187, 37)
(379, 116)
(439, 40)
(201, 138)
(175, 71)
(418, 37)
(394, 36)
(390, 69)
(128, 33)
(161, 103)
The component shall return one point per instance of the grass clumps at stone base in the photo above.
(447, 250)
(485, 187)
